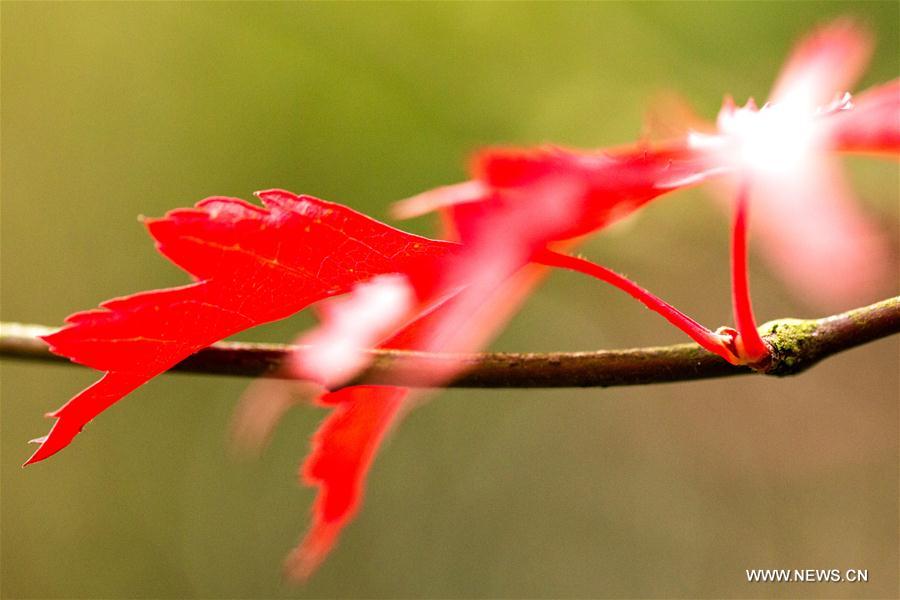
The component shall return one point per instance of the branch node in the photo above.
(790, 342)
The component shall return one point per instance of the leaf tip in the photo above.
(59, 436)
(305, 559)
(38, 455)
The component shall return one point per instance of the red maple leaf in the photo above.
(252, 265)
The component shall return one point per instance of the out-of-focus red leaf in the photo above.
(826, 61)
(342, 452)
(523, 203)
(806, 216)
(873, 124)
(550, 194)
(345, 444)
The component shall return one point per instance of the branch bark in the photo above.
(796, 345)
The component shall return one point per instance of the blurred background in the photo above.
(110, 111)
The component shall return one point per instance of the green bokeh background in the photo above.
(114, 110)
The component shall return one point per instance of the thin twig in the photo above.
(796, 345)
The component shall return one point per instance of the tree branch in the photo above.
(796, 345)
